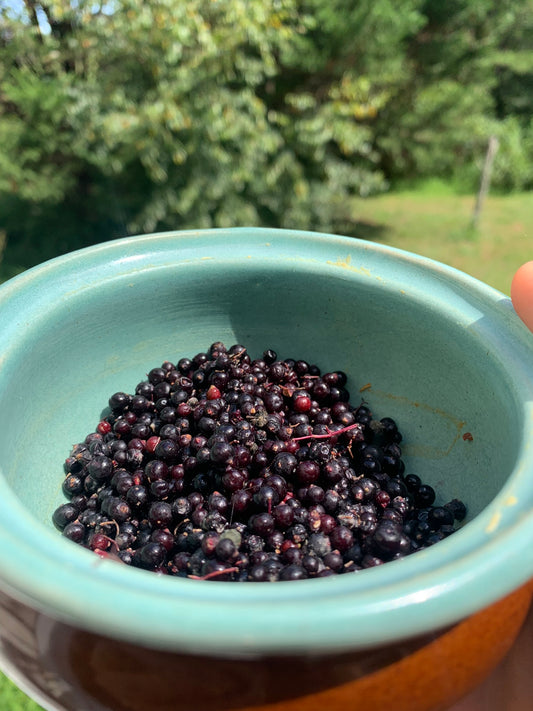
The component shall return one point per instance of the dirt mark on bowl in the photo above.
(427, 451)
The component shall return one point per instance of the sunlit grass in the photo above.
(12, 699)
(439, 226)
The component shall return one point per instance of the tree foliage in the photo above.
(129, 116)
(469, 64)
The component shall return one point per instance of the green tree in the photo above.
(469, 65)
(133, 117)
(130, 116)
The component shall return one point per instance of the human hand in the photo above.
(522, 293)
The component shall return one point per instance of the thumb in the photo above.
(522, 293)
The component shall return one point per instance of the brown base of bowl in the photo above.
(72, 670)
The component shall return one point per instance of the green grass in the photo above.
(435, 222)
(12, 699)
(438, 226)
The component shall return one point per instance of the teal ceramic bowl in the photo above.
(440, 352)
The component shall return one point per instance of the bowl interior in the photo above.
(405, 356)
(418, 343)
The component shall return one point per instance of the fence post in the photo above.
(485, 179)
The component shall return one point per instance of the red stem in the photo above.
(213, 574)
(329, 433)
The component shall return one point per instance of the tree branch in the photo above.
(59, 28)
(30, 6)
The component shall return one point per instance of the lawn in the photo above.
(12, 699)
(436, 224)
(439, 226)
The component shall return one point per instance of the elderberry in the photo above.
(226, 468)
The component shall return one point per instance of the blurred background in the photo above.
(369, 118)
(408, 123)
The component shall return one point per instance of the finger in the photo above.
(522, 293)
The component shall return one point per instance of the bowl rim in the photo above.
(486, 560)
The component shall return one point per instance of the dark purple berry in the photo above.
(160, 514)
(65, 514)
(389, 539)
(341, 538)
(74, 531)
(424, 495)
(241, 469)
(457, 508)
(119, 401)
(262, 524)
(307, 472)
(225, 550)
(284, 464)
(334, 561)
(150, 556)
(293, 572)
(100, 468)
(440, 516)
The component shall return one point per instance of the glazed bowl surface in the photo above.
(441, 353)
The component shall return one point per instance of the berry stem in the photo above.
(330, 433)
(213, 574)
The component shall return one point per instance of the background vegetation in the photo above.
(364, 117)
(125, 116)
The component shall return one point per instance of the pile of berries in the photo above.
(226, 468)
